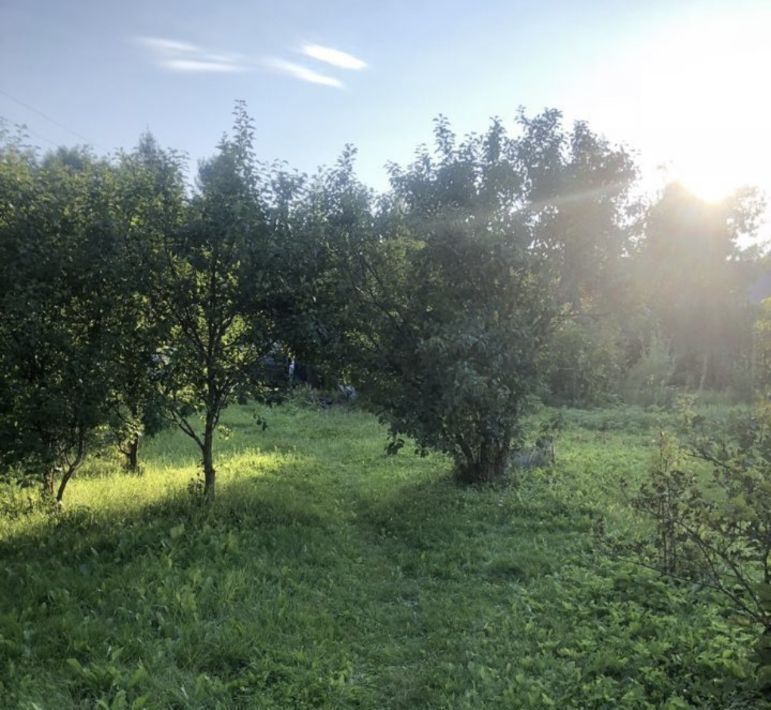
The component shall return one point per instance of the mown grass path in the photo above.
(329, 575)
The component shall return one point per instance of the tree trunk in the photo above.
(132, 454)
(488, 463)
(208, 459)
(73, 465)
(704, 371)
(48, 484)
(65, 479)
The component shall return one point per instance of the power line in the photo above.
(46, 117)
(25, 131)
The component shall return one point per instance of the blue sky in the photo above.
(673, 79)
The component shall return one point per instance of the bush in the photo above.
(648, 381)
(585, 362)
(716, 530)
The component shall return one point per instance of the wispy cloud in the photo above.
(298, 71)
(185, 57)
(201, 66)
(335, 57)
(162, 44)
(174, 55)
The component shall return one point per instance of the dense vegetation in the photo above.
(496, 268)
(499, 272)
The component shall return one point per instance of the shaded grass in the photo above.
(329, 575)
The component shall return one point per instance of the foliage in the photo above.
(212, 281)
(585, 362)
(718, 531)
(761, 336)
(648, 381)
(693, 275)
(57, 333)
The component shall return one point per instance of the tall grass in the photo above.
(329, 575)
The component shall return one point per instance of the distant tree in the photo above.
(213, 279)
(584, 219)
(584, 364)
(694, 277)
(761, 336)
(578, 188)
(322, 226)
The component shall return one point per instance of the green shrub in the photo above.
(716, 530)
(648, 381)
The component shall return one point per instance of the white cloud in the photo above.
(161, 44)
(335, 57)
(174, 55)
(298, 71)
(200, 66)
(178, 56)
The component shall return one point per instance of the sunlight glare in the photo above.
(692, 100)
(706, 107)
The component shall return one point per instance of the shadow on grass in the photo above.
(309, 584)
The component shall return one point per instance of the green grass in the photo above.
(329, 575)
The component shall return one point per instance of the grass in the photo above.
(329, 575)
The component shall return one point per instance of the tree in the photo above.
(693, 275)
(454, 304)
(213, 278)
(578, 186)
(57, 252)
(323, 225)
(148, 204)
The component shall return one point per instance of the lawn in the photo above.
(327, 574)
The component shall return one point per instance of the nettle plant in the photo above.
(713, 526)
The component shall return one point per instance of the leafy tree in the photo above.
(584, 219)
(148, 204)
(324, 225)
(57, 251)
(585, 360)
(454, 303)
(578, 187)
(213, 279)
(693, 275)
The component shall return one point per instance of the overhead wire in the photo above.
(46, 117)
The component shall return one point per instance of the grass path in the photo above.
(329, 575)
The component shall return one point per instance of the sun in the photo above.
(711, 178)
(705, 106)
(691, 98)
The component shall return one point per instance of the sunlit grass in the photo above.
(329, 575)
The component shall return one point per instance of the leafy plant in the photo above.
(716, 530)
(212, 285)
(57, 334)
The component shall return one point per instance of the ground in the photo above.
(327, 574)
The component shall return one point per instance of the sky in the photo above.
(682, 83)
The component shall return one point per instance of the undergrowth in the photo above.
(329, 575)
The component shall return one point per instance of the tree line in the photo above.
(498, 269)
